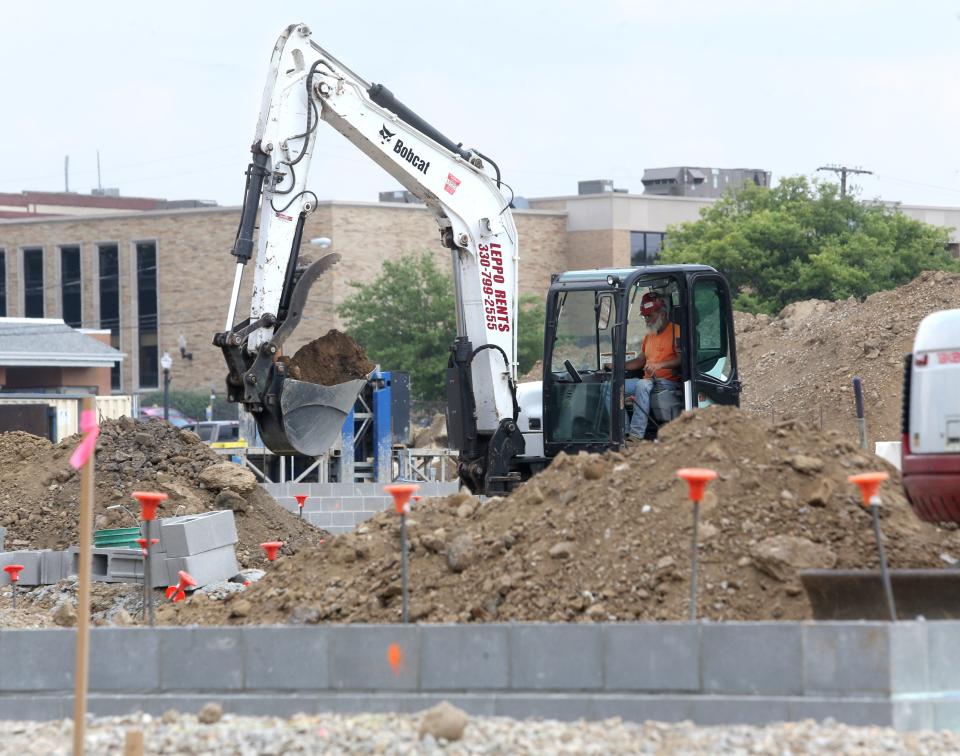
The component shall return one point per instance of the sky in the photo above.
(554, 92)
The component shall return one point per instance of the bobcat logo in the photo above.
(386, 135)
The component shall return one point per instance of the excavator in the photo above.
(504, 432)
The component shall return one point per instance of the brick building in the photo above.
(151, 277)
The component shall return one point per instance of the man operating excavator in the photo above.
(659, 361)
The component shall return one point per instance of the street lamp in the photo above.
(166, 362)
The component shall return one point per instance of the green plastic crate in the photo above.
(117, 538)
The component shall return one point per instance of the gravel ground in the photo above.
(398, 734)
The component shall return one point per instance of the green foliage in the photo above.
(801, 240)
(192, 404)
(405, 319)
(532, 315)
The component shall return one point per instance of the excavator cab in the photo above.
(594, 327)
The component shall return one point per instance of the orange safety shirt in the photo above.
(660, 347)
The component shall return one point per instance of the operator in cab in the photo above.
(659, 361)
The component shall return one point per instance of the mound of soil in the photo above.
(331, 359)
(801, 363)
(40, 492)
(607, 537)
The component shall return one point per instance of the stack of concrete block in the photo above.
(202, 545)
(340, 507)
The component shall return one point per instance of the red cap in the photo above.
(650, 303)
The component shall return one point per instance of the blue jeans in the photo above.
(640, 389)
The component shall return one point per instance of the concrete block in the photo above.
(376, 503)
(566, 707)
(645, 708)
(652, 657)
(196, 534)
(201, 658)
(124, 659)
(556, 657)
(343, 519)
(286, 658)
(913, 715)
(36, 708)
(909, 671)
(111, 565)
(37, 660)
(339, 529)
(750, 710)
(946, 714)
(943, 640)
(464, 657)
(3, 536)
(54, 566)
(30, 574)
(363, 516)
(846, 657)
(319, 519)
(208, 567)
(850, 711)
(752, 657)
(359, 657)
(352, 504)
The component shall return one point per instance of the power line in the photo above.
(843, 170)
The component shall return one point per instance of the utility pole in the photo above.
(843, 171)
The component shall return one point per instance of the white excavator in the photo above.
(503, 434)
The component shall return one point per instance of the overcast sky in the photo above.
(554, 91)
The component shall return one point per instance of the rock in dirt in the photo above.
(562, 550)
(331, 359)
(228, 475)
(65, 615)
(230, 499)
(783, 556)
(210, 713)
(461, 552)
(444, 721)
(804, 464)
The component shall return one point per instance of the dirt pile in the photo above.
(40, 492)
(602, 537)
(801, 363)
(331, 359)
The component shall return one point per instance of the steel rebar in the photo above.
(693, 562)
(884, 573)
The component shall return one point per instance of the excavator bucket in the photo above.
(313, 414)
(858, 594)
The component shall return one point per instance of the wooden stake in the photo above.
(85, 534)
(133, 743)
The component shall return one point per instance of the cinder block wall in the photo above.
(868, 673)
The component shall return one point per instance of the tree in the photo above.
(802, 240)
(405, 319)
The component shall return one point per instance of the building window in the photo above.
(147, 315)
(70, 293)
(109, 258)
(645, 247)
(33, 282)
(3, 283)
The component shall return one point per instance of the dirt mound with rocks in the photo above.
(801, 362)
(607, 537)
(331, 359)
(40, 492)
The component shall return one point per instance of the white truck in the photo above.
(930, 461)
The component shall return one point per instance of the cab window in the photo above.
(711, 327)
